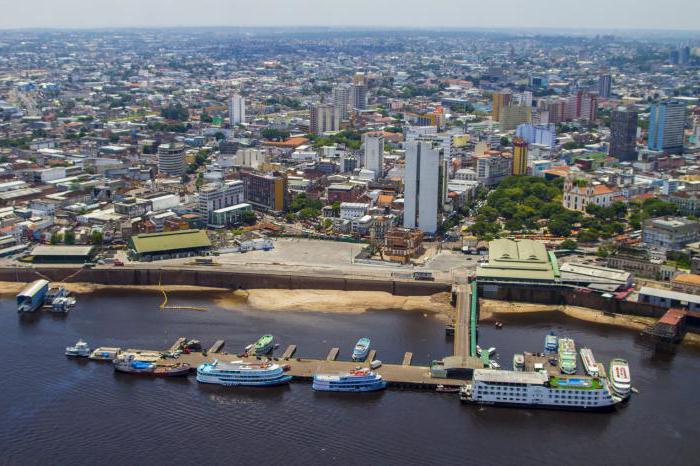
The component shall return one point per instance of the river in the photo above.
(60, 411)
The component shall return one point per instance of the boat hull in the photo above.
(77, 354)
(324, 387)
(245, 383)
(590, 409)
(158, 372)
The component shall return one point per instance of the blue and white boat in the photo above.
(361, 380)
(551, 343)
(361, 349)
(240, 373)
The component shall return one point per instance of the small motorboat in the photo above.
(80, 349)
(361, 349)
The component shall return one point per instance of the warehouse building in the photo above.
(169, 245)
(48, 254)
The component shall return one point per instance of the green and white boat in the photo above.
(264, 344)
(567, 356)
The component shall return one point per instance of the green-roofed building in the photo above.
(518, 261)
(169, 244)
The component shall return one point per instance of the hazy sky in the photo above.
(642, 14)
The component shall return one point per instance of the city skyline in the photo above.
(627, 14)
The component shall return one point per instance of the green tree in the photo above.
(96, 237)
(587, 236)
(249, 217)
(568, 244)
(69, 237)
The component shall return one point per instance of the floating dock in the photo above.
(178, 344)
(302, 369)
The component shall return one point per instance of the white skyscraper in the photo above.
(341, 100)
(421, 183)
(236, 110)
(374, 154)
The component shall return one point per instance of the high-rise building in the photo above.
(545, 135)
(605, 86)
(667, 126)
(519, 157)
(374, 154)
(341, 100)
(268, 192)
(171, 159)
(684, 55)
(623, 134)
(500, 101)
(217, 196)
(421, 181)
(514, 115)
(324, 118)
(236, 110)
(359, 96)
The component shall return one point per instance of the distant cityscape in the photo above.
(409, 143)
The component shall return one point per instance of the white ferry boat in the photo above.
(361, 380)
(538, 390)
(567, 356)
(589, 362)
(80, 349)
(240, 373)
(620, 380)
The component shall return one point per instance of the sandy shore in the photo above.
(12, 288)
(350, 302)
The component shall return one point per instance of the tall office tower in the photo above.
(500, 101)
(514, 115)
(374, 154)
(519, 157)
(171, 159)
(605, 86)
(358, 97)
(341, 100)
(236, 110)
(421, 181)
(324, 118)
(666, 127)
(684, 55)
(674, 57)
(623, 134)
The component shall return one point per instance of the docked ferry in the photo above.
(361, 380)
(550, 343)
(240, 373)
(361, 349)
(538, 390)
(80, 349)
(567, 356)
(620, 380)
(589, 363)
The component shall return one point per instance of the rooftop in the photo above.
(170, 241)
(72, 251)
(522, 259)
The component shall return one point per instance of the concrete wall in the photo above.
(567, 295)
(219, 278)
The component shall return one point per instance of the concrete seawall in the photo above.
(220, 278)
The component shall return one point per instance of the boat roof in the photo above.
(502, 376)
(33, 288)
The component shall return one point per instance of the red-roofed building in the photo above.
(580, 192)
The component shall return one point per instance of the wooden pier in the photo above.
(216, 347)
(402, 375)
(333, 354)
(289, 352)
(372, 354)
(178, 343)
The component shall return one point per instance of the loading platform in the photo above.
(401, 375)
(216, 347)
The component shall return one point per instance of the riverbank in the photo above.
(348, 302)
(492, 309)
